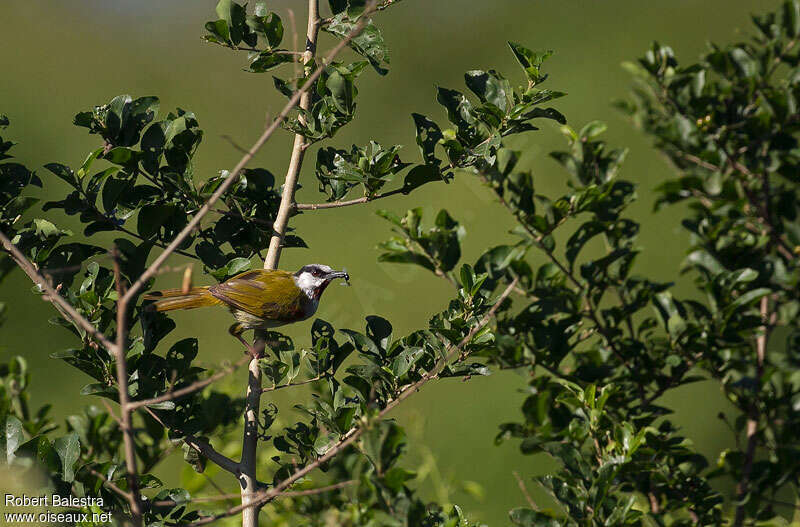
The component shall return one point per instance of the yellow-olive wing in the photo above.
(270, 295)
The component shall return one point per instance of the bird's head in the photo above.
(314, 278)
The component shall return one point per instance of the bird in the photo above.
(259, 299)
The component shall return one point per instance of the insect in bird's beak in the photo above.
(342, 274)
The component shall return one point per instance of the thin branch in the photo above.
(338, 204)
(63, 307)
(524, 491)
(233, 214)
(205, 449)
(186, 390)
(743, 486)
(318, 490)
(234, 144)
(293, 26)
(111, 412)
(202, 446)
(234, 174)
(110, 484)
(276, 52)
(354, 433)
(287, 494)
(292, 384)
(126, 423)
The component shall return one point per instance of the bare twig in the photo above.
(287, 494)
(234, 144)
(293, 26)
(111, 413)
(234, 174)
(186, 390)
(110, 484)
(524, 491)
(319, 490)
(276, 52)
(203, 447)
(354, 433)
(126, 423)
(63, 307)
(347, 203)
(292, 384)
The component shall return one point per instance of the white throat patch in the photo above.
(308, 283)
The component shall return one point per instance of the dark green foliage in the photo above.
(332, 104)
(600, 344)
(437, 249)
(14, 177)
(372, 167)
(369, 43)
(729, 125)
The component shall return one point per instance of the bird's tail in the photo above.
(171, 299)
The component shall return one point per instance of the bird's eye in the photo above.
(316, 273)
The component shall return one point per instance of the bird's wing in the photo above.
(270, 295)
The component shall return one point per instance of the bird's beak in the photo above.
(338, 274)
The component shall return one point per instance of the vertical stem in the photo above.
(122, 387)
(752, 422)
(298, 149)
(248, 479)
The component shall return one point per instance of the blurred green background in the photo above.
(58, 58)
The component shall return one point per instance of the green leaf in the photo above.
(748, 66)
(746, 299)
(234, 16)
(270, 26)
(530, 518)
(369, 43)
(13, 436)
(267, 60)
(63, 172)
(68, 448)
(592, 130)
(421, 175)
(490, 87)
(530, 61)
(405, 360)
(428, 136)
